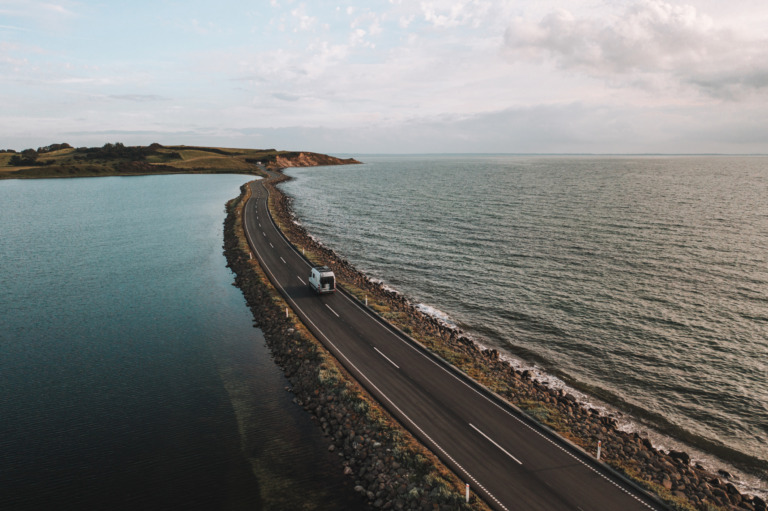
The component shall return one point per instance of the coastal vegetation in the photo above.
(117, 159)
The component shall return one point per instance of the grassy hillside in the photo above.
(117, 159)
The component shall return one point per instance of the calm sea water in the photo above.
(131, 376)
(641, 280)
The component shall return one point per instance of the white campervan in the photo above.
(322, 280)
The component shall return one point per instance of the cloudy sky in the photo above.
(389, 76)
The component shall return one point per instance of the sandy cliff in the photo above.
(305, 159)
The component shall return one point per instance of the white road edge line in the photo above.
(388, 359)
(494, 443)
(483, 396)
(362, 375)
(373, 385)
(329, 308)
(510, 414)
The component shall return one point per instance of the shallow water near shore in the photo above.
(131, 374)
(642, 281)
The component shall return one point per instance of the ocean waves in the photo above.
(640, 279)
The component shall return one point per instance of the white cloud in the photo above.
(370, 20)
(357, 38)
(56, 8)
(11, 27)
(448, 14)
(303, 20)
(437, 75)
(51, 16)
(651, 37)
(138, 98)
(404, 21)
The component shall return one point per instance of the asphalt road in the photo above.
(506, 460)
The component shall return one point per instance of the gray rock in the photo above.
(682, 457)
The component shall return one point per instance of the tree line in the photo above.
(29, 157)
(109, 151)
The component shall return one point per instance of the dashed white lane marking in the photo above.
(301, 280)
(271, 245)
(539, 433)
(376, 389)
(264, 234)
(494, 443)
(329, 308)
(283, 260)
(388, 359)
(513, 416)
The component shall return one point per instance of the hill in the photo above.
(63, 160)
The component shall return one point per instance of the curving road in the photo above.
(507, 460)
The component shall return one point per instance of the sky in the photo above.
(389, 76)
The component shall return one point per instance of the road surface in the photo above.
(506, 460)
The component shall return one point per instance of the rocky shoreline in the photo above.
(390, 469)
(668, 474)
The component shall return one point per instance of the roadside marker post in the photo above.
(467, 492)
(286, 312)
(599, 445)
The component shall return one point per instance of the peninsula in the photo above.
(63, 160)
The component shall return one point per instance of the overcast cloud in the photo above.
(623, 76)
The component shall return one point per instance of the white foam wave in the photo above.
(746, 483)
(439, 315)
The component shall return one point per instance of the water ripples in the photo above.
(131, 374)
(643, 279)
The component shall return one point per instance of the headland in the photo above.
(63, 160)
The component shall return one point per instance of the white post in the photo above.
(366, 300)
(286, 312)
(467, 493)
(599, 445)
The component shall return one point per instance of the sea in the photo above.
(131, 375)
(640, 283)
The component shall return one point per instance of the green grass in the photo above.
(70, 163)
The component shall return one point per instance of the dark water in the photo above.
(641, 280)
(130, 374)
